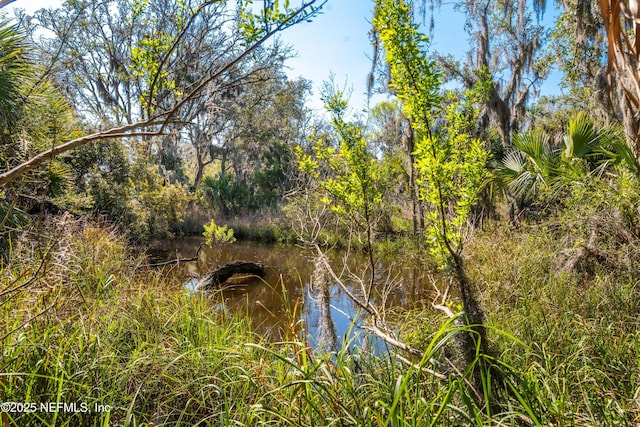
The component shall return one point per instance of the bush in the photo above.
(214, 233)
(158, 207)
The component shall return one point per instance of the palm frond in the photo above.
(526, 185)
(619, 152)
(537, 146)
(582, 138)
(512, 165)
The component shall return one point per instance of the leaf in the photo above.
(582, 137)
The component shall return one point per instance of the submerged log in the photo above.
(221, 274)
(173, 261)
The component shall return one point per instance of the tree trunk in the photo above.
(409, 144)
(199, 172)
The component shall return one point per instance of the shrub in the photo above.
(214, 233)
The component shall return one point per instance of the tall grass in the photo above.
(581, 363)
(80, 323)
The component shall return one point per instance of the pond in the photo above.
(291, 284)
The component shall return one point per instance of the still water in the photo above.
(293, 285)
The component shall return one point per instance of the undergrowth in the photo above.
(580, 366)
(81, 322)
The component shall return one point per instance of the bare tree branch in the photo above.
(119, 132)
(4, 3)
(162, 119)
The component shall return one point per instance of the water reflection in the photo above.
(295, 283)
(319, 292)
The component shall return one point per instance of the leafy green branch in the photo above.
(272, 14)
(451, 163)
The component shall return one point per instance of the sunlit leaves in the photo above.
(137, 8)
(582, 138)
(415, 80)
(216, 234)
(255, 22)
(535, 164)
(452, 171)
(450, 162)
(149, 51)
(352, 178)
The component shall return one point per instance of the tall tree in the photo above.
(251, 31)
(260, 105)
(254, 148)
(110, 54)
(577, 45)
(269, 119)
(450, 161)
(506, 37)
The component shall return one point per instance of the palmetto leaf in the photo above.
(527, 184)
(513, 163)
(536, 145)
(531, 165)
(588, 152)
(618, 151)
(513, 170)
(583, 138)
(533, 143)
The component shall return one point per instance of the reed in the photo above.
(80, 324)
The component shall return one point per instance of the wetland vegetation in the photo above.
(463, 253)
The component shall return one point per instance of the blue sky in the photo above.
(337, 42)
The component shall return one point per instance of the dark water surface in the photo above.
(293, 283)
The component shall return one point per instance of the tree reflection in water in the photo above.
(320, 288)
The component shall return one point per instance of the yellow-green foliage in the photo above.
(452, 170)
(350, 180)
(354, 188)
(157, 206)
(148, 54)
(215, 233)
(450, 162)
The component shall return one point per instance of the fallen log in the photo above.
(221, 274)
